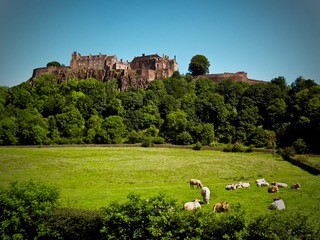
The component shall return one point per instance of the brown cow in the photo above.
(273, 189)
(195, 182)
(296, 186)
(221, 207)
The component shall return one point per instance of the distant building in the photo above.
(150, 67)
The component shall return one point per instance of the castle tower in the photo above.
(74, 60)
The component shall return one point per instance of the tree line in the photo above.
(179, 110)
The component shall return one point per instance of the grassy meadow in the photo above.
(93, 177)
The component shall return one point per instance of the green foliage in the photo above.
(199, 65)
(24, 206)
(197, 146)
(137, 218)
(134, 137)
(8, 131)
(147, 142)
(115, 129)
(53, 64)
(287, 153)
(282, 226)
(74, 224)
(182, 108)
(300, 146)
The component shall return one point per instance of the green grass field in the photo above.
(93, 177)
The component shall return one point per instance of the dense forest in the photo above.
(179, 110)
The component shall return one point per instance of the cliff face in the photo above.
(126, 78)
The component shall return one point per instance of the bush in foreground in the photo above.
(24, 207)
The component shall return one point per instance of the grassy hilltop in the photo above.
(93, 177)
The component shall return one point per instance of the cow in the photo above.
(221, 207)
(205, 192)
(278, 204)
(262, 182)
(232, 187)
(243, 185)
(273, 189)
(296, 186)
(195, 182)
(190, 206)
(280, 184)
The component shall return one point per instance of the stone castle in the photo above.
(137, 73)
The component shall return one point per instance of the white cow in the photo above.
(205, 192)
(243, 185)
(278, 204)
(262, 182)
(190, 206)
(280, 184)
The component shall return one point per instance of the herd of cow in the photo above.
(277, 204)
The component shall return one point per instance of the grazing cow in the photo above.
(243, 185)
(278, 204)
(221, 207)
(262, 182)
(195, 182)
(190, 206)
(232, 187)
(280, 184)
(296, 186)
(273, 189)
(205, 192)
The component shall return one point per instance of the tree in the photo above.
(115, 128)
(8, 131)
(199, 65)
(53, 64)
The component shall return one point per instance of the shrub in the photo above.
(228, 147)
(66, 223)
(287, 153)
(184, 138)
(197, 146)
(282, 225)
(24, 206)
(300, 146)
(147, 142)
(137, 218)
(134, 137)
(238, 147)
(158, 140)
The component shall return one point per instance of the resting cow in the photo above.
(262, 182)
(273, 189)
(190, 206)
(232, 187)
(296, 186)
(195, 182)
(280, 184)
(205, 192)
(278, 204)
(221, 207)
(243, 185)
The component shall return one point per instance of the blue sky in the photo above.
(265, 38)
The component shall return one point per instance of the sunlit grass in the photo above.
(92, 177)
